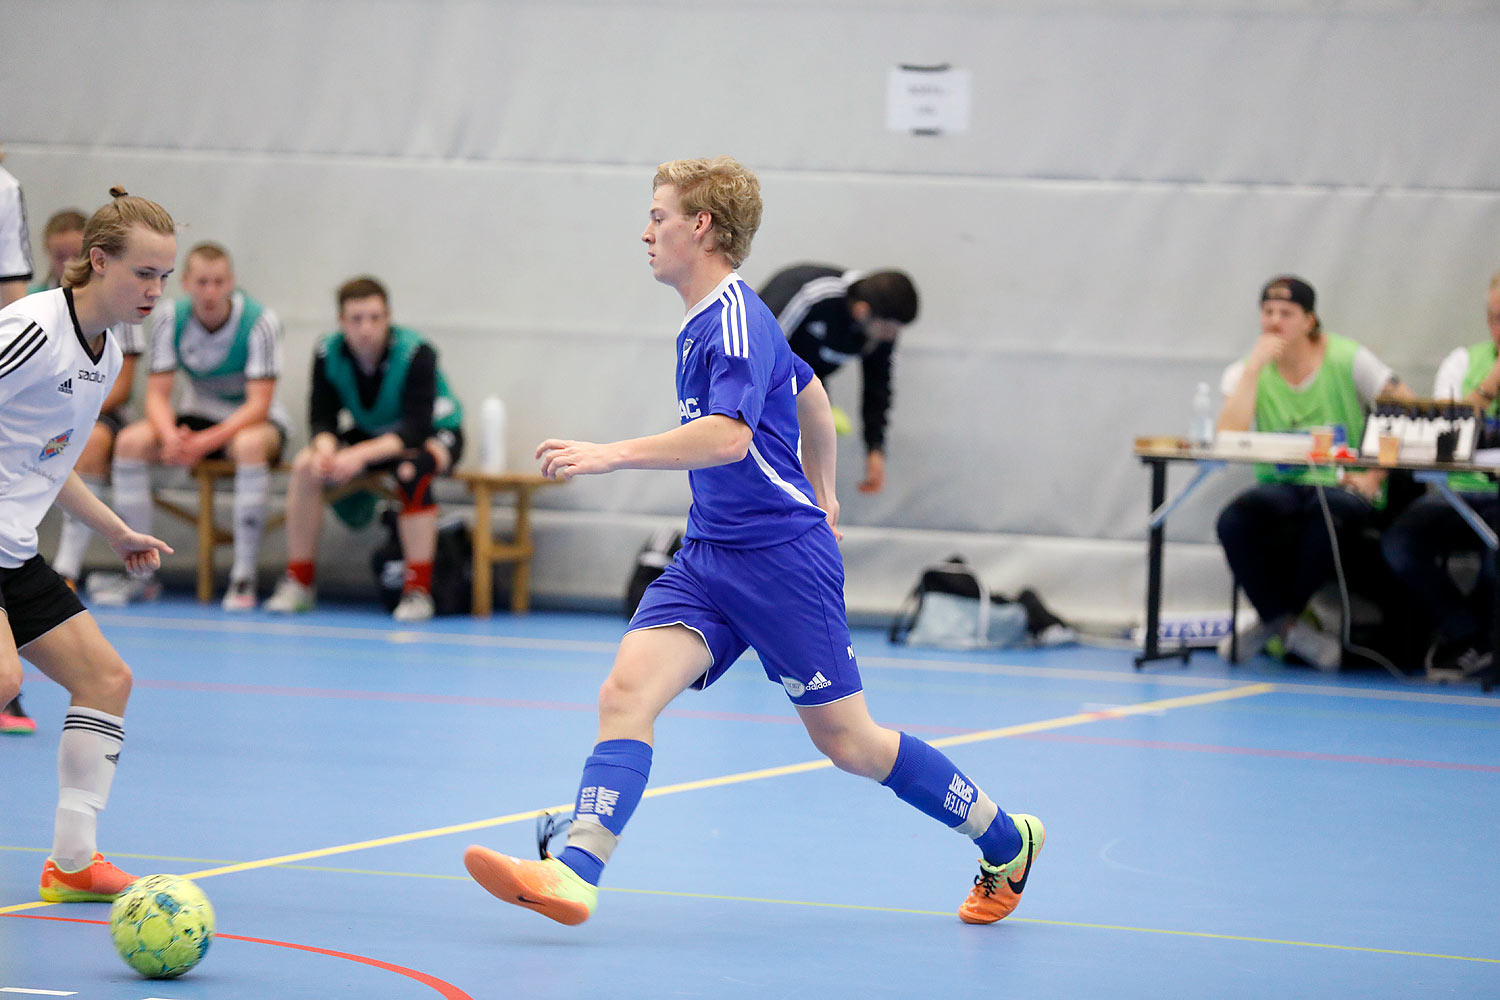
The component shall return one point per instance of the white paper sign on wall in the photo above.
(927, 100)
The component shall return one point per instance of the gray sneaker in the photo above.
(290, 598)
(120, 590)
(240, 596)
(416, 606)
(1252, 640)
(1317, 647)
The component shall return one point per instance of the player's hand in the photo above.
(1267, 350)
(342, 467)
(174, 450)
(1364, 482)
(566, 459)
(141, 553)
(874, 480)
(831, 506)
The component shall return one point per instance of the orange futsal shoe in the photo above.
(997, 888)
(100, 882)
(548, 886)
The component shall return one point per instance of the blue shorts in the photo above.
(784, 601)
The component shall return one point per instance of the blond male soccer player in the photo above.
(48, 340)
(229, 347)
(760, 568)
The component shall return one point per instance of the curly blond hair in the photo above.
(724, 188)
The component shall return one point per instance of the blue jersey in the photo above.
(733, 359)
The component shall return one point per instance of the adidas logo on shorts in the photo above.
(65, 387)
(819, 682)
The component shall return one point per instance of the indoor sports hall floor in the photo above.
(1262, 832)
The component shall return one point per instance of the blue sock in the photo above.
(925, 778)
(614, 778)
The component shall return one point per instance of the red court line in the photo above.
(1335, 758)
(447, 990)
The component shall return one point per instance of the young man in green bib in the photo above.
(1418, 543)
(1275, 539)
(229, 348)
(378, 403)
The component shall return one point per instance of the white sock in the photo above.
(86, 757)
(252, 490)
(73, 541)
(132, 499)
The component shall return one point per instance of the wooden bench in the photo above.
(210, 535)
(517, 549)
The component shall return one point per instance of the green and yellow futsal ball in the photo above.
(161, 925)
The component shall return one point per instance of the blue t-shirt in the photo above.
(733, 359)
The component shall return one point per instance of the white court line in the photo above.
(39, 993)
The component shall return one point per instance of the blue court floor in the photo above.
(1257, 832)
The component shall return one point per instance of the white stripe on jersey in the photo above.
(733, 323)
(776, 479)
(807, 296)
(21, 349)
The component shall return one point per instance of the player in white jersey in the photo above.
(229, 347)
(15, 240)
(57, 361)
(15, 271)
(760, 568)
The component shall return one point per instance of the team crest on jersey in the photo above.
(56, 446)
(687, 345)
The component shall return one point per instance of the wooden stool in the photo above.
(517, 550)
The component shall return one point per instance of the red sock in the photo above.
(301, 571)
(418, 576)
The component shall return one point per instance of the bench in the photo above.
(207, 474)
(517, 549)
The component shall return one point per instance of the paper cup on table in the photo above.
(1390, 449)
(1322, 441)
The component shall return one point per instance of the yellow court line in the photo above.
(1160, 705)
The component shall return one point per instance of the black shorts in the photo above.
(193, 422)
(36, 600)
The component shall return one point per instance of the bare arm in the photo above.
(141, 552)
(256, 409)
(10, 291)
(1239, 406)
(159, 412)
(119, 393)
(698, 444)
(819, 445)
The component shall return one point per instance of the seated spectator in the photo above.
(378, 403)
(1418, 543)
(229, 347)
(1296, 377)
(63, 241)
(831, 316)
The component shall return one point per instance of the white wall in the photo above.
(1087, 252)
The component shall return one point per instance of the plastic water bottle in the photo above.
(1203, 417)
(492, 435)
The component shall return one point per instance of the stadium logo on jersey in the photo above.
(65, 387)
(687, 345)
(56, 446)
(89, 376)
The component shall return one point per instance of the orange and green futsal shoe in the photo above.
(100, 882)
(548, 886)
(997, 888)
